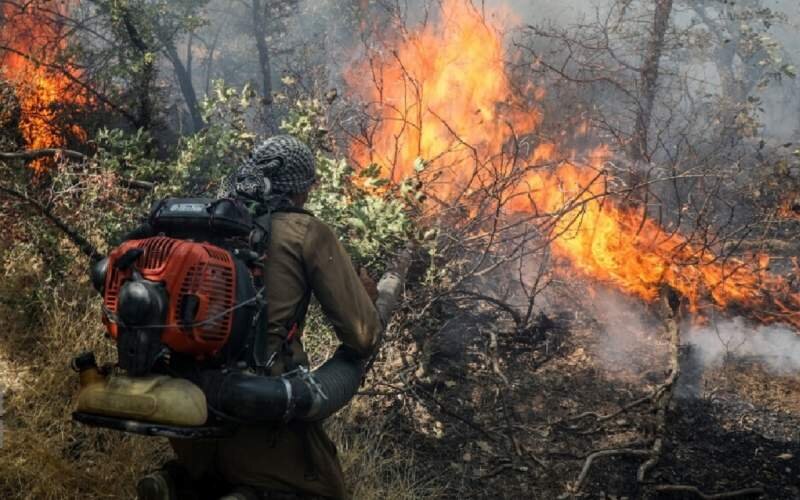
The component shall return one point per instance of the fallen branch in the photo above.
(587, 465)
(82, 243)
(679, 488)
(498, 470)
(497, 302)
(425, 395)
(35, 154)
(603, 418)
(134, 184)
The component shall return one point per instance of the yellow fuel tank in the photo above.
(155, 398)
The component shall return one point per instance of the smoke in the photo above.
(628, 340)
(777, 346)
(538, 11)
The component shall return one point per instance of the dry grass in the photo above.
(45, 455)
(375, 467)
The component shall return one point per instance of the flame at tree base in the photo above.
(441, 93)
(33, 39)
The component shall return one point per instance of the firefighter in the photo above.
(294, 459)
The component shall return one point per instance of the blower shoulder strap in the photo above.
(295, 210)
(263, 359)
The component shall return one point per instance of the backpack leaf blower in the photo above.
(183, 298)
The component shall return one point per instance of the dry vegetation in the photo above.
(47, 456)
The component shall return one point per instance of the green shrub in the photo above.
(49, 313)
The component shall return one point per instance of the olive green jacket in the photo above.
(304, 254)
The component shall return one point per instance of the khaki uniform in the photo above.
(299, 457)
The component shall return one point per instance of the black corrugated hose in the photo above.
(298, 395)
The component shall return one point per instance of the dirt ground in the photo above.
(493, 413)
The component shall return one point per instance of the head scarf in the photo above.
(280, 166)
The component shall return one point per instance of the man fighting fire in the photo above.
(295, 459)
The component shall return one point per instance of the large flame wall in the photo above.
(441, 93)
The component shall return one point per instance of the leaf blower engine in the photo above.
(183, 297)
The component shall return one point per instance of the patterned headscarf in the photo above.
(279, 166)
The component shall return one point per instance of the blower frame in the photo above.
(146, 294)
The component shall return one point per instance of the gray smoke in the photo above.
(630, 340)
(777, 346)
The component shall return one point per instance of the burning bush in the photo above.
(443, 94)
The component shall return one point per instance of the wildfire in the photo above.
(32, 39)
(442, 93)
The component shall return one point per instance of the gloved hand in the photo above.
(369, 284)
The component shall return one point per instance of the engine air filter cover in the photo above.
(200, 281)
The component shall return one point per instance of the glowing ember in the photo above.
(441, 93)
(790, 208)
(32, 40)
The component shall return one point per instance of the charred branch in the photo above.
(679, 488)
(35, 154)
(669, 309)
(587, 464)
(82, 243)
(57, 153)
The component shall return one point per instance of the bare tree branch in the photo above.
(82, 243)
(679, 488)
(35, 154)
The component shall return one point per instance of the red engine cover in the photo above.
(184, 267)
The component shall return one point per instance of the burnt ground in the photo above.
(494, 413)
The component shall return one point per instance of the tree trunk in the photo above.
(264, 63)
(736, 84)
(639, 149)
(184, 81)
(732, 91)
(144, 114)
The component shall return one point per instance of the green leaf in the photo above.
(357, 224)
(371, 171)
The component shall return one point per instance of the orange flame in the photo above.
(435, 95)
(33, 39)
(441, 93)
